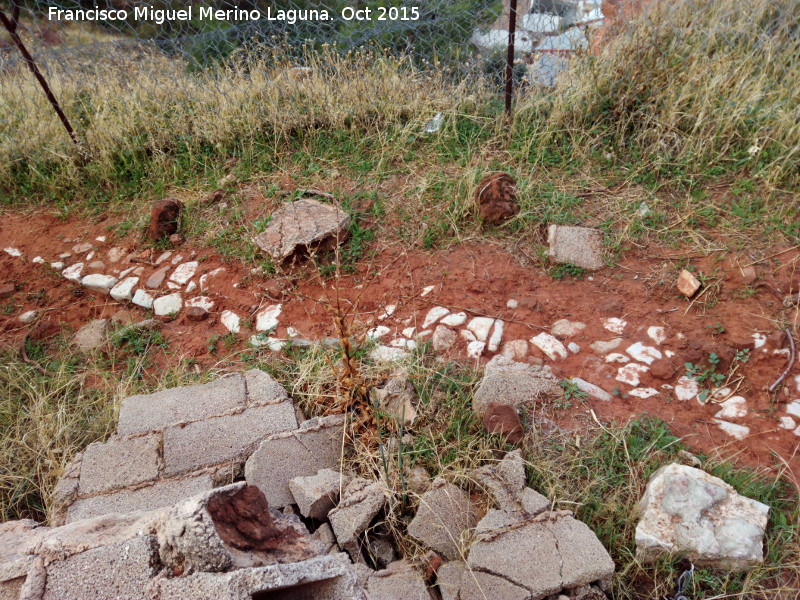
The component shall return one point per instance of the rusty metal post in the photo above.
(512, 27)
(11, 26)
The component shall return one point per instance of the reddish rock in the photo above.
(663, 368)
(156, 279)
(243, 520)
(776, 340)
(432, 562)
(687, 284)
(164, 218)
(196, 313)
(497, 198)
(7, 290)
(503, 419)
(749, 275)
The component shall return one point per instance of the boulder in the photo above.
(165, 217)
(301, 227)
(688, 512)
(496, 196)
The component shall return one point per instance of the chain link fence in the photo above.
(130, 72)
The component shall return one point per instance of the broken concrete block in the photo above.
(580, 246)
(225, 438)
(119, 463)
(160, 494)
(315, 445)
(444, 514)
(263, 389)
(456, 581)
(302, 227)
(505, 481)
(118, 571)
(316, 495)
(516, 383)
(688, 512)
(361, 501)
(140, 414)
(398, 580)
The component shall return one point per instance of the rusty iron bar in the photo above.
(512, 27)
(11, 26)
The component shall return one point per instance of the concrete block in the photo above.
(160, 494)
(583, 557)
(263, 389)
(361, 501)
(119, 463)
(282, 457)
(221, 439)
(580, 246)
(443, 515)
(456, 581)
(139, 414)
(399, 580)
(316, 495)
(119, 571)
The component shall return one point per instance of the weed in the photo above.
(571, 390)
(560, 271)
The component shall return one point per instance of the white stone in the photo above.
(759, 339)
(564, 328)
(515, 349)
(434, 314)
(615, 325)
(455, 319)
(378, 332)
(90, 256)
(173, 286)
(573, 347)
(99, 282)
(475, 349)
(685, 511)
(797, 382)
(203, 302)
(669, 353)
(13, 251)
(732, 429)
(143, 299)
(73, 272)
(387, 354)
(409, 332)
(591, 389)
(126, 272)
(549, 345)
(497, 336)
(58, 265)
(170, 304)
(787, 423)
(404, 343)
(116, 254)
(480, 326)
(292, 332)
(686, 388)
(191, 287)
(164, 256)
(793, 408)
(643, 392)
(616, 357)
(642, 353)
(427, 290)
(177, 258)
(260, 340)
(734, 407)
(183, 273)
(657, 334)
(101, 238)
(602, 348)
(797, 432)
(267, 318)
(37, 260)
(388, 312)
(124, 289)
(468, 335)
(231, 321)
(630, 373)
(512, 303)
(28, 317)
(65, 255)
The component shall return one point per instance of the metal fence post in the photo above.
(512, 26)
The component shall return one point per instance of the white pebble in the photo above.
(657, 334)
(615, 325)
(734, 407)
(455, 319)
(434, 314)
(732, 429)
(231, 321)
(480, 326)
(630, 373)
(642, 353)
(512, 303)
(549, 345)
(643, 392)
(617, 358)
(475, 349)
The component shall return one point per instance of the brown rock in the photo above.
(776, 339)
(214, 196)
(749, 275)
(663, 368)
(503, 419)
(196, 313)
(156, 279)
(496, 197)
(164, 218)
(7, 290)
(176, 239)
(243, 520)
(687, 284)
